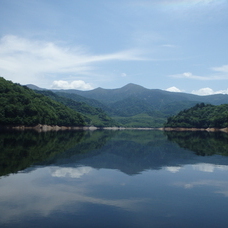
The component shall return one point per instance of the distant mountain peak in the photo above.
(132, 85)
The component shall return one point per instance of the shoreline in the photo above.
(212, 129)
(44, 128)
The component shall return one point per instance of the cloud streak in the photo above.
(189, 75)
(221, 73)
(222, 69)
(30, 60)
(178, 4)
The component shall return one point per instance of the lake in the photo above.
(113, 179)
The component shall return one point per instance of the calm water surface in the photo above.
(113, 179)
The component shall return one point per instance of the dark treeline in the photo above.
(201, 116)
(20, 105)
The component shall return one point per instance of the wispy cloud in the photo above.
(46, 198)
(220, 73)
(189, 75)
(26, 61)
(169, 45)
(123, 74)
(222, 69)
(177, 4)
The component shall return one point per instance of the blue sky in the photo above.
(179, 45)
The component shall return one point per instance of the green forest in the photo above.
(20, 105)
(200, 116)
(132, 105)
(92, 115)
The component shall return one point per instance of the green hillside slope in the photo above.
(20, 105)
(92, 115)
(136, 106)
(201, 116)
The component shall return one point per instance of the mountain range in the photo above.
(136, 106)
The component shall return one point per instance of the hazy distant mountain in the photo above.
(152, 96)
(136, 102)
(110, 95)
(134, 99)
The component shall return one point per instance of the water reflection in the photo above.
(202, 143)
(131, 152)
(112, 178)
(71, 172)
(21, 149)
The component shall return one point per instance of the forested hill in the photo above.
(20, 105)
(136, 106)
(201, 116)
(93, 115)
(132, 100)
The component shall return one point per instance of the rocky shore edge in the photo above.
(43, 128)
(196, 129)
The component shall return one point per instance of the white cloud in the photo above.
(71, 172)
(209, 91)
(173, 89)
(27, 61)
(78, 84)
(203, 91)
(173, 169)
(123, 74)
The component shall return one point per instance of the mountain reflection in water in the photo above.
(113, 178)
(128, 151)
